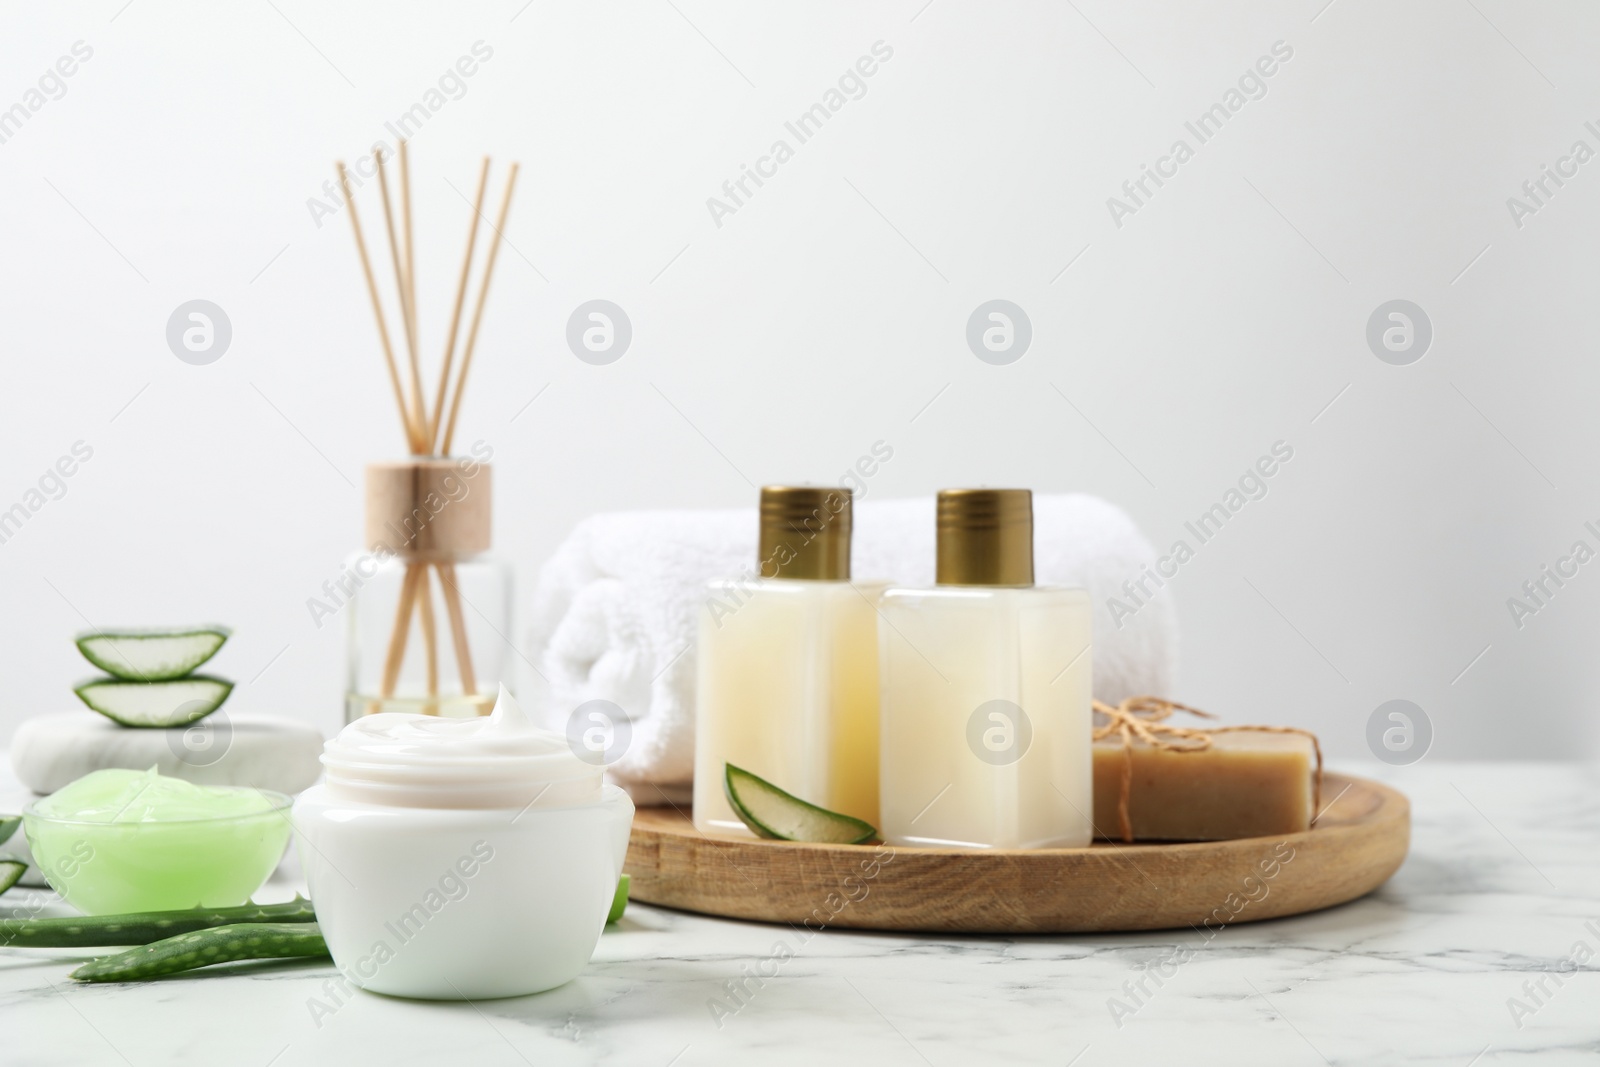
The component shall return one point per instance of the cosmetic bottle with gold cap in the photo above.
(787, 684)
(986, 691)
(426, 607)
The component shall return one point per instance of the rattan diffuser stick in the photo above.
(416, 576)
(461, 298)
(422, 428)
(412, 439)
(406, 318)
(477, 312)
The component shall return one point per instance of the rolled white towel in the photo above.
(616, 608)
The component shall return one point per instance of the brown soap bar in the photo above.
(1247, 784)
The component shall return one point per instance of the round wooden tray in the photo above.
(1356, 844)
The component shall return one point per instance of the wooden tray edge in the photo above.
(1348, 860)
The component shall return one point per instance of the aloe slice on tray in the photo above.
(175, 703)
(10, 872)
(151, 655)
(770, 812)
(8, 826)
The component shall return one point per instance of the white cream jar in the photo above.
(458, 859)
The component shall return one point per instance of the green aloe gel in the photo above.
(121, 841)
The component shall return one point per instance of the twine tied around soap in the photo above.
(1144, 718)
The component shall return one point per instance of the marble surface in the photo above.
(1502, 886)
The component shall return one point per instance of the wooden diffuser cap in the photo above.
(433, 508)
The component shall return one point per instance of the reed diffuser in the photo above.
(427, 516)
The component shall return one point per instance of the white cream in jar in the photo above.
(460, 858)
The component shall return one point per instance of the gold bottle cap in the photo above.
(805, 533)
(985, 537)
(430, 508)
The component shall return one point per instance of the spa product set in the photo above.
(457, 850)
(453, 854)
(959, 715)
(453, 849)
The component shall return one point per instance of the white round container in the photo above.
(460, 859)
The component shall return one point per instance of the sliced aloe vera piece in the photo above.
(175, 703)
(619, 899)
(202, 948)
(8, 826)
(10, 873)
(151, 655)
(770, 812)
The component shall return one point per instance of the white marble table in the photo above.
(1503, 877)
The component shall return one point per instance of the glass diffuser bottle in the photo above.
(986, 706)
(431, 608)
(787, 684)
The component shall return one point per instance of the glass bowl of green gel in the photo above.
(119, 841)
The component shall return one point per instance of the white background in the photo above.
(828, 311)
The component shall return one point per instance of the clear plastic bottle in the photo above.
(986, 680)
(787, 684)
(428, 538)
